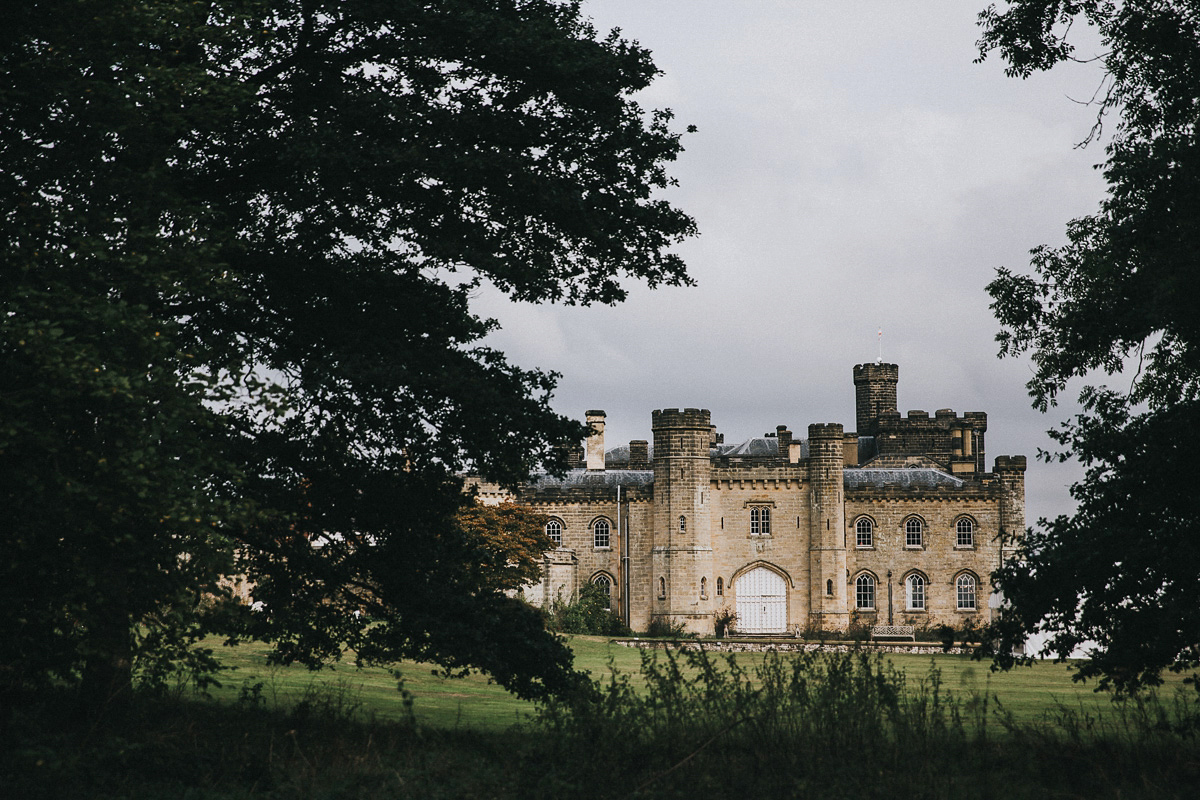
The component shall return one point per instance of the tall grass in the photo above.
(850, 724)
(684, 724)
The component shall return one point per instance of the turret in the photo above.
(1011, 472)
(682, 553)
(874, 393)
(827, 528)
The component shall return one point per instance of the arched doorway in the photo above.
(761, 602)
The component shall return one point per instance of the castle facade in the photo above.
(898, 522)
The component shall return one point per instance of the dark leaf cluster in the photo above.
(238, 244)
(1118, 300)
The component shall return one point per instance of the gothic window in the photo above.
(913, 528)
(604, 583)
(914, 593)
(864, 532)
(600, 533)
(966, 592)
(662, 588)
(720, 587)
(829, 588)
(965, 533)
(864, 593)
(760, 521)
(682, 523)
(554, 531)
(704, 587)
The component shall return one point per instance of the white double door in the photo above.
(761, 602)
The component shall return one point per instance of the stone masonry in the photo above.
(899, 522)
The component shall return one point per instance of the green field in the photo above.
(826, 724)
(474, 703)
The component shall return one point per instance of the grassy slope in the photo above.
(473, 703)
(303, 745)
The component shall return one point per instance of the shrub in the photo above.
(724, 621)
(663, 628)
(589, 613)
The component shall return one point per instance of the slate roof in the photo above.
(582, 478)
(917, 477)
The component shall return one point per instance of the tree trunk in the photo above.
(107, 681)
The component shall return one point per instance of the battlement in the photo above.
(876, 372)
(874, 394)
(825, 430)
(1010, 464)
(677, 418)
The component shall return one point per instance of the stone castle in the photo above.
(899, 522)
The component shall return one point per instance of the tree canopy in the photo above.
(1118, 300)
(240, 238)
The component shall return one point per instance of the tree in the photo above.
(511, 540)
(240, 239)
(1117, 300)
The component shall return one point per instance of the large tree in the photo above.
(239, 240)
(1118, 300)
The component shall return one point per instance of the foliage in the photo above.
(510, 540)
(670, 734)
(1118, 299)
(724, 621)
(589, 613)
(239, 243)
(666, 628)
(785, 727)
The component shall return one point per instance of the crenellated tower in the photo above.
(874, 394)
(682, 555)
(827, 528)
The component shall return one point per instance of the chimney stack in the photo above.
(595, 440)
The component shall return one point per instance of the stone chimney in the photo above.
(639, 454)
(785, 442)
(595, 440)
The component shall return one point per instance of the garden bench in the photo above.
(894, 632)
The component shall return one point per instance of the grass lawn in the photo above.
(840, 737)
(474, 703)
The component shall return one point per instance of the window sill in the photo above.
(964, 547)
(914, 547)
(864, 547)
(602, 549)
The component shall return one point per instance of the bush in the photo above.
(663, 628)
(589, 614)
(724, 621)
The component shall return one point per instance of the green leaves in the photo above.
(1118, 299)
(239, 241)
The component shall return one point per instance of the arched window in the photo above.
(966, 592)
(554, 531)
(914, 593)
(829, 587)
(682, 523)
(704, 587)
(605, 585)
(864, 593)
(662, 588)
(965, 533)
(720, 587)
(913, 528)
(864, 532)
(600, 533)
(760, 521)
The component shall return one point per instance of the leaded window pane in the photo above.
(601, 533)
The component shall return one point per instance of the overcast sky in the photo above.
(853, 170)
